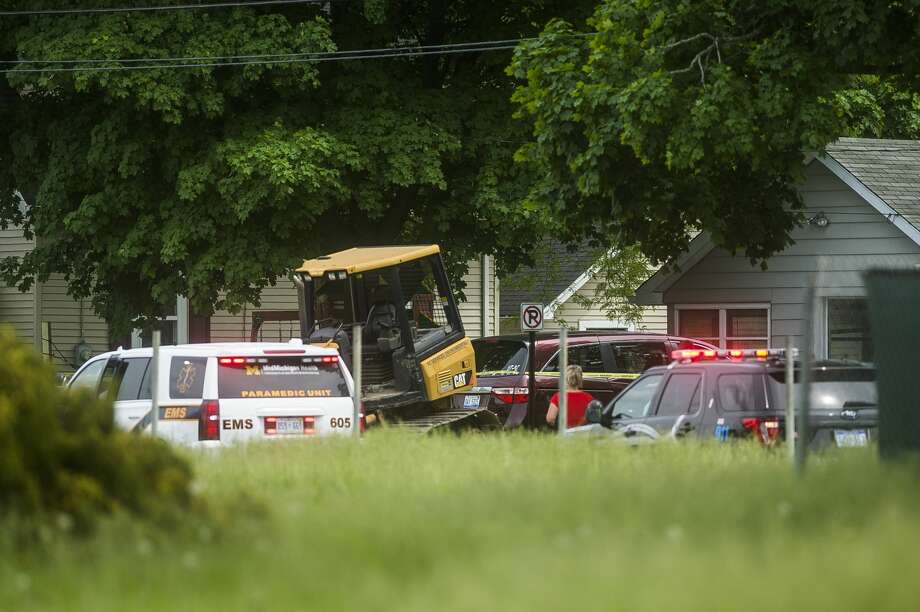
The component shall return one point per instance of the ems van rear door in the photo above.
(282, 396)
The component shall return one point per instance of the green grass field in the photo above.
(502, 522)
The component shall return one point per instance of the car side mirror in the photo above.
(593, 412)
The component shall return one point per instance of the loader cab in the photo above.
(409, 318)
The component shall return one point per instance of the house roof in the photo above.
(547, 280)
(885, 173)
(889, 168)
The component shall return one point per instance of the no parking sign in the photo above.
(531, 317)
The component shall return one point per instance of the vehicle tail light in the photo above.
(362, 420)
(209, 420)
(767, 431)
(510, 395)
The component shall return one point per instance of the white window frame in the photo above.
(723, 326)
(826, 324)
(181, 319)
(616, 324)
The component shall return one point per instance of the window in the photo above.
(603, 325)
(145, 384)
(88, 377)
(281, 377)
(637, 357)
(111, 377)
(332, 304)
(740, 392)
(588, 356)
(699, 324)
(500, 356)
(832, 388)
(135, 371)
(634, 402)
(186, 377)
(848, 329)
(729, 327)
(173, 327)
(681, 395)
(746, 328)
(428, 302)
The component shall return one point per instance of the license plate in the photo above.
(289, 425)
(471, 401)
(851, 437)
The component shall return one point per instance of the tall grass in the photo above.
(503, 522)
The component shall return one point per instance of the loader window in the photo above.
(332, 305)
(428, 305)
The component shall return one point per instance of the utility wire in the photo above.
(281, 58)
(267, 62)
(396, 50)
(175, 7)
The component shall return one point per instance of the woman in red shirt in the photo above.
(578, 400)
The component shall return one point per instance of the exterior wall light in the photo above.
(819, 220)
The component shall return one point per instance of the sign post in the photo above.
(562, 419)
(531, 322)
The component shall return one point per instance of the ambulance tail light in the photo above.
(767, 431)
(209, 420)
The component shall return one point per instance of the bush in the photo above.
(61, 456)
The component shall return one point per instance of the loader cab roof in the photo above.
(363, 259)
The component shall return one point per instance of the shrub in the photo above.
(61, 456)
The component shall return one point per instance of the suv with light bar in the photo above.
(609, 362)
(725, 394)
(210, 394)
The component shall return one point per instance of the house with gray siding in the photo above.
(862, 202)
(566, 283)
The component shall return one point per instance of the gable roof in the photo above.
(547, 280)
(889, 168)
(885, 173)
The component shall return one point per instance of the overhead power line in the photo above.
(307, 54)
(174, 7)
(151, 63)
(331, 57)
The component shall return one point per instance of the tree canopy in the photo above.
(660, 118)
(213, 181)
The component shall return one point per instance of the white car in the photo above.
(216, 393)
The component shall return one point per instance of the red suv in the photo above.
(610, 361)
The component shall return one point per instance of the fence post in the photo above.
(801, 447)
(790, 399)
(562, 418)
(356, 352)
(155, 384)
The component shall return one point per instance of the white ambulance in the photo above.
(218, 393)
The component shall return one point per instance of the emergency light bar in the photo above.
(688, 355)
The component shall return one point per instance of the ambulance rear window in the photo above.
(186, 377)
(279, 377)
